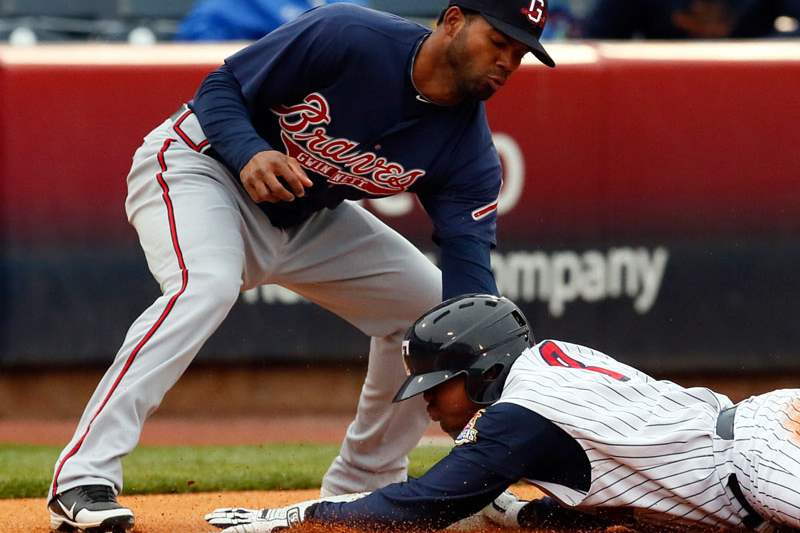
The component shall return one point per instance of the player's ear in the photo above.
(453, 19)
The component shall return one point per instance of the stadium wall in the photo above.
(649, 209)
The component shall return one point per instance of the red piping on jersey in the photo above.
(483, 211)
(189, 142)
(184, 281)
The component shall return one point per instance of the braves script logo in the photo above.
(306, 139)
(536, 13)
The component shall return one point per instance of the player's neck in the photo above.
(432, 76)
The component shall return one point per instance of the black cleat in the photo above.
(89, 508)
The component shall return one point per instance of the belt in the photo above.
(725, 422)
(186, 125)
(724, 428)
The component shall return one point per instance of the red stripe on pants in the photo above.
(184, 281)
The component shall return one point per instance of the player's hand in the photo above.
(547, 513)
(255, 520)
(240, 520)
(504, 510)
(233, 516)
(262, 177)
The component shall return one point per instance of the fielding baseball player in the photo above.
(247, 186)
(589, 431)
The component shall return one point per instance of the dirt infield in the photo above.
(180, 513)
(161, 513)
(213, 423)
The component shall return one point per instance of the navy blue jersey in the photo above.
(333, 89)
(501, 445)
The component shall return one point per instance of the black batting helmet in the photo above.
(477, 335)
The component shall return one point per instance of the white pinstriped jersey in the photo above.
(651, 444)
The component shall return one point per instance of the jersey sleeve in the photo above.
(466, 267)
(287, 63)
(506, 443)
(280, 67)
(463, 208)
(223, 115)
(465, 201)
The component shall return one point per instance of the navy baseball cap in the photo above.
(522, 20)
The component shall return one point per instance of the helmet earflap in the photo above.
(479, 381)
(485, 385)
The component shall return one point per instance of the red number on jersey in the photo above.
(555, 356)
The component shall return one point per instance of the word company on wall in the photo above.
(562, 277)
(556, 278)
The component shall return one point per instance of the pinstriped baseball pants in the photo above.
(766, 454)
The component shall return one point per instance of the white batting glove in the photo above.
(233, 516)
(266, 520)
(504, 510)
(240, 520)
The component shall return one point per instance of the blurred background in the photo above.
(23, 22)
(650, 209)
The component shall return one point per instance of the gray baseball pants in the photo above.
(205, 241)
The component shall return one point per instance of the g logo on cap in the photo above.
(535, 12)
(521, 20)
